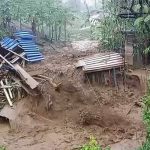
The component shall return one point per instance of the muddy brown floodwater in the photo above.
(65, 119)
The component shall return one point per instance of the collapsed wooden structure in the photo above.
(15, 82)
(102, 67)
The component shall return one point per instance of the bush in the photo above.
(2, 148)
(146, 118)
(146, 146)
(93, 145)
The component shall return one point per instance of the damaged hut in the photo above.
(102, 68)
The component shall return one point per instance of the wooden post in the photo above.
(115, 79)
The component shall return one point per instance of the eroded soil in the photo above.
(65, 119)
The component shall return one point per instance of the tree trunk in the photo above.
(34, 26)
(65, 30)
(20, 23)
(59, 34)
(95, 4)
(52, 34)
(87, 8)
(49, 31)
(55, 31)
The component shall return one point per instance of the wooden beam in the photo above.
(26, 77)
(17, 58)
(7, 62)
(17, 54)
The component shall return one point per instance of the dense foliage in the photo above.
(108, 30)
(146, 117)
(48, 17)
(142, 25)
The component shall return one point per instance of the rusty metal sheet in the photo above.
(101, 61)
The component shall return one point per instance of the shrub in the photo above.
(2, 148)
(93, 145)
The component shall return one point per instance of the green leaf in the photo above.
(147, 19)
(137, 8)
(139, 21)
(145, 9)
(147, 50)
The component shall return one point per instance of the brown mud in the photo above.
(65, 119)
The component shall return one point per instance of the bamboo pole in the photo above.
(9, 89)
(7, 95)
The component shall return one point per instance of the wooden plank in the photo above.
(7, 62)
(26, 77)
(17, 58)
(17, 54)
(6, 94)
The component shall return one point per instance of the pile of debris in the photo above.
(15, 52)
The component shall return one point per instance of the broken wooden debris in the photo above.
(26, 77)
(56, 86)
(15, 82)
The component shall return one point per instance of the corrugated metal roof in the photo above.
(26, 42)
(24, 35)
(8, 43)
(100, 62)
(31, 49)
